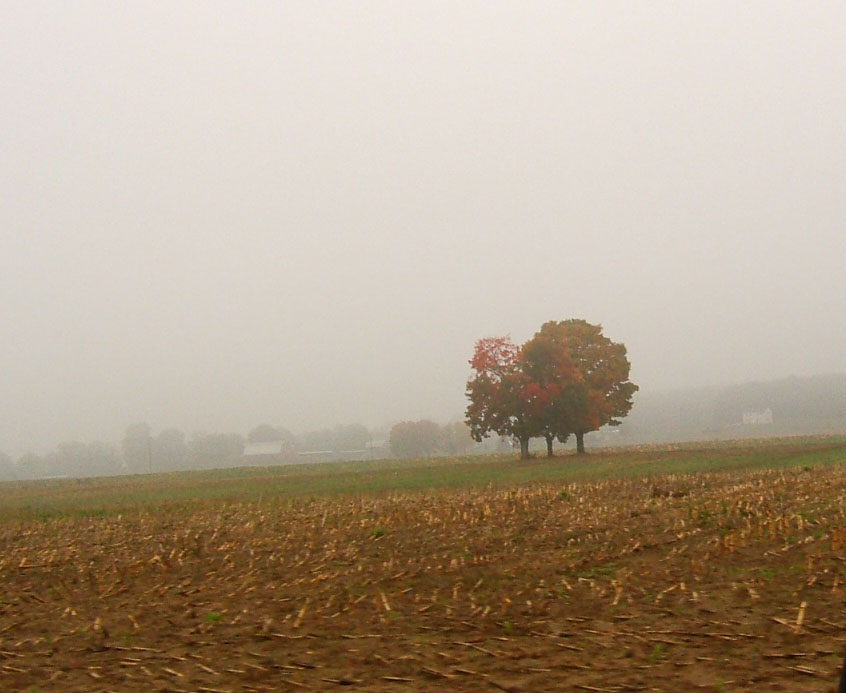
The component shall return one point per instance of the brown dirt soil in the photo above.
(719, 582)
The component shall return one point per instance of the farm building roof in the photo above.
(257, 449)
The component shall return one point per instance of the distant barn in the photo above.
(268, 453)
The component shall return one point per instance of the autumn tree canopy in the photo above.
(601, 394)
(568, 379)
(504, 398)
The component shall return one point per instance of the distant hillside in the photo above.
(789, 406)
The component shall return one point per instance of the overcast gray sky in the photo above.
(216, 214)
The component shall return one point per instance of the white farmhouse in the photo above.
(751, 418)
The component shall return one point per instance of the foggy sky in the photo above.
(217, 214)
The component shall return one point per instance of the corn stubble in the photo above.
(722, 581)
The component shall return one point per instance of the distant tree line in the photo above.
(141, 450)
(338, 439)
(138, 452)
(144, 452)
(802, 402)
(799, 404)
(426, 438)
(68, 459)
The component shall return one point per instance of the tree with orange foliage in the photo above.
(600, 393)
(547, 363)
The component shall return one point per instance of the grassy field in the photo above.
(720, 568)
(92, 497)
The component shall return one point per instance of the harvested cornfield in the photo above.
(720, 581)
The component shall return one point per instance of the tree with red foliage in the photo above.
(504, 399)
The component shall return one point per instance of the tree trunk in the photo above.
(580, 443)
(524, 448)
(549, 452)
